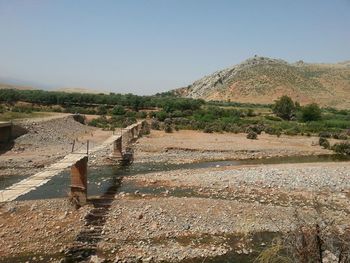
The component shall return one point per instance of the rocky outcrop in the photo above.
(262, 80)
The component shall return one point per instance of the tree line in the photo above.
(131, 101)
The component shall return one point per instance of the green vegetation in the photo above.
(9, 115)
(324, 143)
(252, 135)
(311, 112)
(172, 113)
(284, 108)
(342, 148)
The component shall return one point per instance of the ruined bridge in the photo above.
(78, 163)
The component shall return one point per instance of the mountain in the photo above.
(263, 80)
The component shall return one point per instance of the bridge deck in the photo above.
(25, 186)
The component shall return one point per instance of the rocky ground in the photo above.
(215, 214)
(47, 140)
(36, 231)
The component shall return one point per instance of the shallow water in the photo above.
(99, 179)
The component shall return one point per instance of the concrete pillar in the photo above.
(118, 147)
(78, 188)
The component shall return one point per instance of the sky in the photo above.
(149, 46)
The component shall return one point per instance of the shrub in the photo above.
(168, 128)
(141, 115)
(208, 129)
(168, 121)
(324, 143)
(252, 135)
(311, 112)
(340, 136)
(258, 128)
(251, 113)
(325, 134)
(118, 110)
(342, 148)
(2, 109)
(284, 108)
(155, 124)
(161, 115)
(101, 110)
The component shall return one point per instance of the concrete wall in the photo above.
(5, 132)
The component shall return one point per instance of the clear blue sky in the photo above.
(149, 46)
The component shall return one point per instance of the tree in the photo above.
(101, 110)
(118, 110)
(311, 112)
(284, 107)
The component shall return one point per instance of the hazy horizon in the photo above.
(145, 47)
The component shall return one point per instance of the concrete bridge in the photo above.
(78, 164)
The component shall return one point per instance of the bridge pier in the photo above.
(78, 188)
(118, 147)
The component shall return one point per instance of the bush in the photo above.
(258, 128)
(340, 136)
(208, 129)
(161, 115)
(251, 113)
(101, 110)
(2, 109)
(342, 148)
(325, 134)
(284, 108)
(141, 115)
(311, 112)
(324, 143)
(155, 124)
(118, 110)
(252, 135)
(168, 128)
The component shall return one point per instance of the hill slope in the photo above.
(262, 80)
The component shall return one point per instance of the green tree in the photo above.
(101, 110)
(118, 110)
(311, 112)
(284, 107)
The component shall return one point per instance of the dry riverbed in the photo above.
(213, 214)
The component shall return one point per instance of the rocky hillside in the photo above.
(262, 80)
